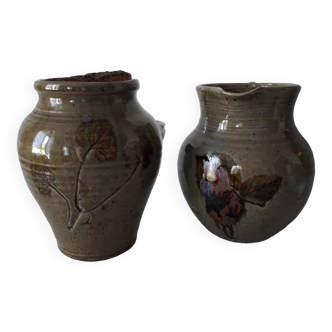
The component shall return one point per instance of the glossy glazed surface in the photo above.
(246, 171)
(90, 155)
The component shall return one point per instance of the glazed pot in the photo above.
(90, 155)
(246, 171)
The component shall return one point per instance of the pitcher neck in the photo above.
(231, 106)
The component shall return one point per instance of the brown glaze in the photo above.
(90, 155)
(253, 171)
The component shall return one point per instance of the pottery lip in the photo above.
(243, 89)
(72, 87)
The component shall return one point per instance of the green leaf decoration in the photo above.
(43, 177)
(98, 136)
(259, 189)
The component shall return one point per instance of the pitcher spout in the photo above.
(244, 89)
(229, 106)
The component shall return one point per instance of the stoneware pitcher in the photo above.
(245, 170)
(90, 155)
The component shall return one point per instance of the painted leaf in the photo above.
(97, 136)
(259, 189)
(43, 177)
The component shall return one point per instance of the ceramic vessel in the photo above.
(246, 171)
(90, 155)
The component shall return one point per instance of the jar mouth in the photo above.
(239, 89)
(101, 82)
(106, 76)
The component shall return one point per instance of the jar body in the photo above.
(245, 171)
(90, 155)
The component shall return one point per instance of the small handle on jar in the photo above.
(161, 126)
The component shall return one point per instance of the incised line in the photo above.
(131, 175)
(71, 223)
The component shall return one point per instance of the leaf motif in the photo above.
(43, 177)
(97, 135)
(259, 189)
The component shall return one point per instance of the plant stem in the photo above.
(245, 200)
(66, 200)
(72, 222)
(78, 176)
(117, 190)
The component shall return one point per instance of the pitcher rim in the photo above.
(247, 88)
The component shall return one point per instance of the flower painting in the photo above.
(226, 195)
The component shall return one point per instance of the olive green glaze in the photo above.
(246, 171)
(90, 155)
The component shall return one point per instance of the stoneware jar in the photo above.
(90, 155)
(245, 170)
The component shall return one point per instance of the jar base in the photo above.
(88, 258)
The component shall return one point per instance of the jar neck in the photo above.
(246, 106)
(84, 97)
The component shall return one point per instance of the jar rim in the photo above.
(55, 85)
